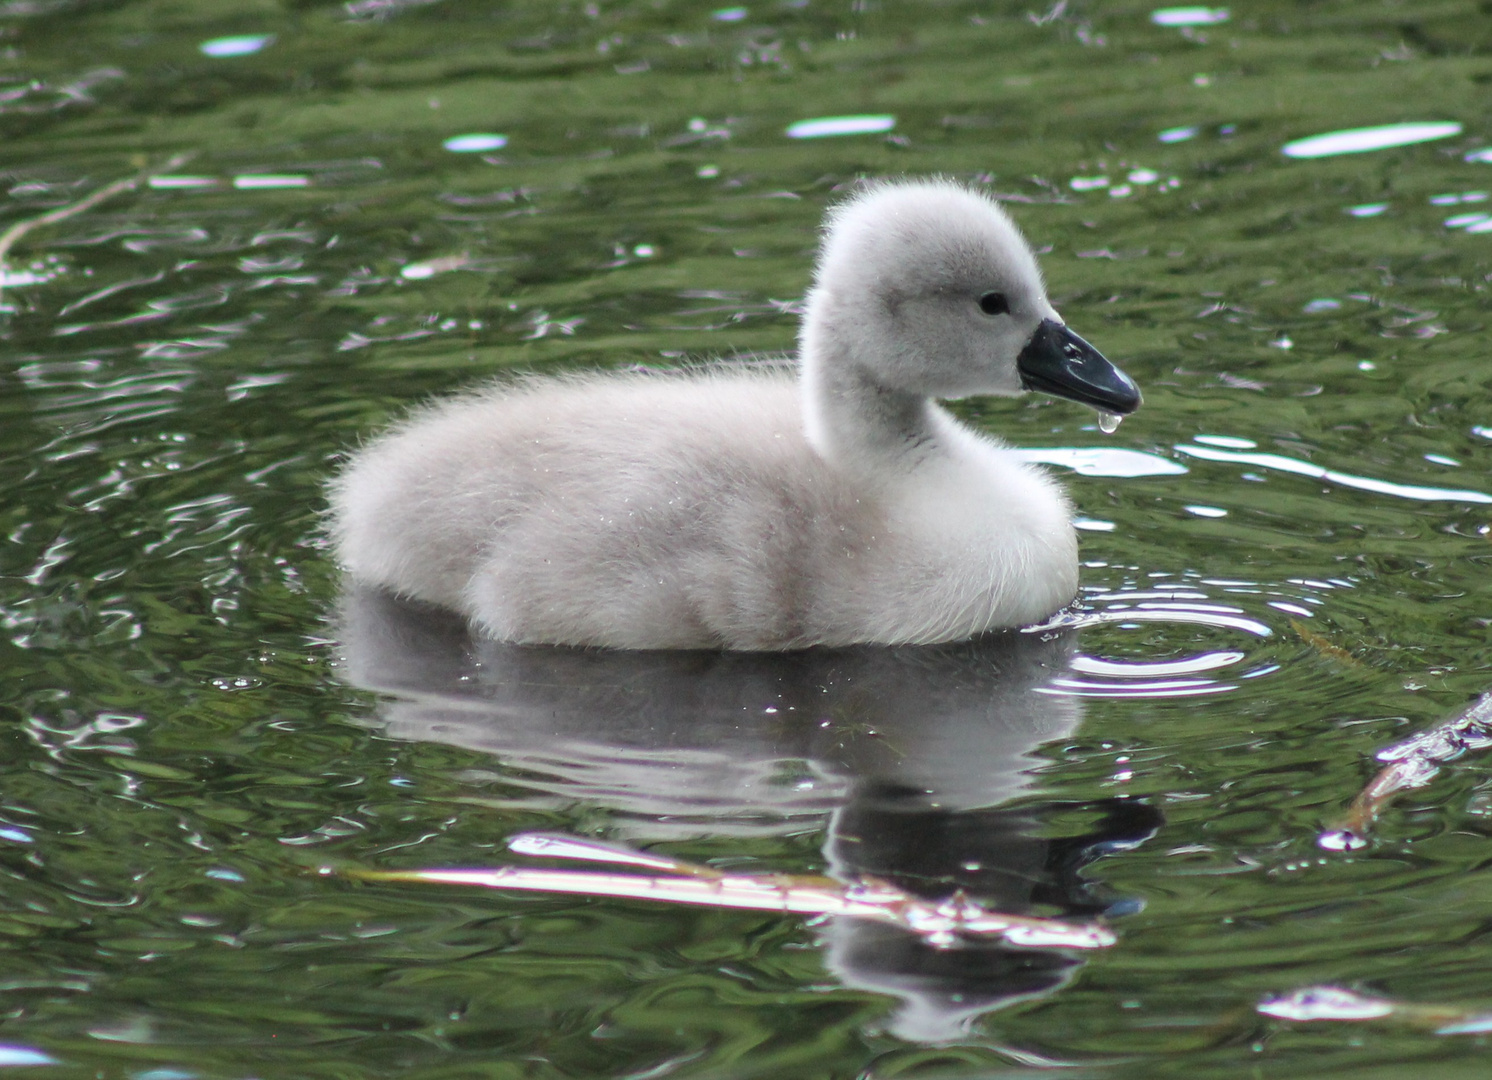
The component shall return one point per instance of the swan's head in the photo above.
(929, 288)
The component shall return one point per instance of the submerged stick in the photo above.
(1323, 645)
(1412, 763)
(940, 923)
(12, 235)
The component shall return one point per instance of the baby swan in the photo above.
(832, 502)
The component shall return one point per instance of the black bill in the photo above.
(1058, 362)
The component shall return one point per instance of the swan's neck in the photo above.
(854, 422)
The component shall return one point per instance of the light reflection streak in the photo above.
(1318, 472)
(1102, 461)
(1360, 140)
(823, 127)
(1177, 688)
(1314, 1003)
(1079, 619)
(1192, 665)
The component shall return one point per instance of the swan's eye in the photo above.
(994, 303)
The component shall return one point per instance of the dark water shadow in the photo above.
(908, 757)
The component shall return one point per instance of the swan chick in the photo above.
(828, 500)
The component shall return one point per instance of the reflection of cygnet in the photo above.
(708, 743)
(908, 759)
(764, 507)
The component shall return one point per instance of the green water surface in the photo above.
(187, 715)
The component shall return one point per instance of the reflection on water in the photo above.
(827, 126)
(907, 755)
(244, 45)
(1319, 472)
(1189, 16)
(703, 743)
(1362, 140)
(1103, 461)
(473, 144)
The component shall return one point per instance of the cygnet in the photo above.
(828, 500)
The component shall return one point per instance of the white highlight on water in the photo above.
(1360, 140)
(1189, 16)
(1103, 461)
(824, 127)
(242, 45)
(1362, 483)
(1325, 1003)
(475, 143)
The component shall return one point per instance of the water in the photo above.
(1285, 550)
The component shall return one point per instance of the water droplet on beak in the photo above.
(1108, 422)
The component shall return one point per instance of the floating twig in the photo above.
(12, 235)
(1412, 763)
(940, 923)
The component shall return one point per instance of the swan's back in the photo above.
(571, 494)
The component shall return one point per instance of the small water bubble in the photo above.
(1108, 422)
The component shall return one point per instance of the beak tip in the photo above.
(1058, 362)
(1129, 399)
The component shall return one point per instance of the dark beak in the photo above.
(1058, 362)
